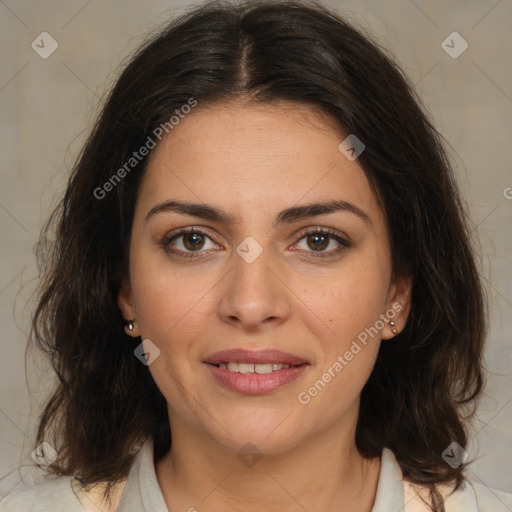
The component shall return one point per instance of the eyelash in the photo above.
(344, 244)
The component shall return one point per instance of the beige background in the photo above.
(48, 105)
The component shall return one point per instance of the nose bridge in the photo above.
(252, 292)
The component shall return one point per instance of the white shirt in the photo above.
(141, 493)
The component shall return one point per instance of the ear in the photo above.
(398, 306)
(127, 308)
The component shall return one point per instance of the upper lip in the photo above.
(250, 356)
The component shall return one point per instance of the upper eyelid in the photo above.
(333, 233)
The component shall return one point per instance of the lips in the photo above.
(254, 357)
(247, 371)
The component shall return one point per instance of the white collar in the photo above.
(142, 485)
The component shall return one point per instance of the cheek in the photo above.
(348, 300)
(168, 300)
(348, 338)
(335, 388)
(351, 304)
(166, 309)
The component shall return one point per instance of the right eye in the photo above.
(193, 240)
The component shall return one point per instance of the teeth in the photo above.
(233, 367)
(253, 368)
(246, 368)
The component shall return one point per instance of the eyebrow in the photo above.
(287, 216)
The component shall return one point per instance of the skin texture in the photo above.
(252, 161)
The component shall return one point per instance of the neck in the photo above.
(322, 473)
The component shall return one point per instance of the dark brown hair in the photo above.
(422, 391)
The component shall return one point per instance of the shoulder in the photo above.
(43, 496)
(491, 500)
(58, 495)
(470, 497)
(37, 492)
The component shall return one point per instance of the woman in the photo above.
(262, 256)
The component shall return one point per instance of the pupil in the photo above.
(196, 239)
(316, 237)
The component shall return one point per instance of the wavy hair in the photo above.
(423, 389)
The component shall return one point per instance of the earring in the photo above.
(129, 324)
(392, 323)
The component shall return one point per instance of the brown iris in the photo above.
(315, 237)
(194, 239)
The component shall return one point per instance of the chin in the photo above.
(257, 444)
(270, 435)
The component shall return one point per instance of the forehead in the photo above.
(243, 157)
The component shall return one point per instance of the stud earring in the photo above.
(392, 323)
(130, 324)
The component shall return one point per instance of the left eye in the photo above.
(193, 241)
(319, 239)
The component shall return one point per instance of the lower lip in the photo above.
(255, 383)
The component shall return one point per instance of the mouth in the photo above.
(254, 357)
(259, 368)
(254, 372)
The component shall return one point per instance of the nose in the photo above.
(254, 294)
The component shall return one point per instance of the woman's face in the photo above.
(262, 280)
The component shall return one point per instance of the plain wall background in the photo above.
(48, 106)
